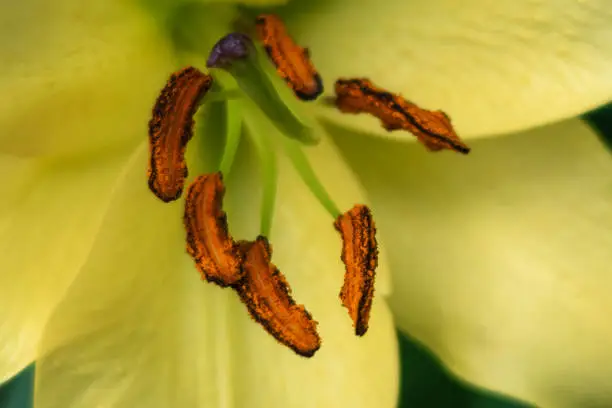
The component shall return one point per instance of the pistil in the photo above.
(236, 54)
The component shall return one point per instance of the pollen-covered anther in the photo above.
(432, 128)
(360, 257)
(171, 128)
(292, 61)
(267, 296)
(209, 243)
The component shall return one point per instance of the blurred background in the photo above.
(424, 383)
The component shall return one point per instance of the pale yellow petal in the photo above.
(138, 328)
(77, 76)
(501, 260)
(49, 215)
(493, 65)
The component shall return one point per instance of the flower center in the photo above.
(246, 266)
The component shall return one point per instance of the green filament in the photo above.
(302, 166)
(269, 176)
(233, 127)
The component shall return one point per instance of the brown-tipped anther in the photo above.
(170, 128)
(267, 296)
(432, 128)
(360, 257)
(209, 242)
(292, 61)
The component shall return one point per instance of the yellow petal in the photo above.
(138, 328)
(493, 66)
(501, 260)
(49, 215)
(77, 77)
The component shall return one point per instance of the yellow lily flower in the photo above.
(96, 284)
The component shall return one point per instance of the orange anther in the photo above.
(432, 128)
(170, 128)
(267, 296)
(292, 61)
(209, 243)
(360, 257)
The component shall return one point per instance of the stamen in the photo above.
(360, 257)
(267, 296)
(258, 131)
(171, 128)
(268, 195)
(233, 130)
(209, 243)
(236, 54)
(292, 61)
(269, 179)
(309, 177)
(432, 128)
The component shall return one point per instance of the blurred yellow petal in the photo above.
(138, 328)
(49, 215)
(501, 260)
(74, 75)
(494, 65)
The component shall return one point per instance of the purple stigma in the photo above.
(232, 47)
